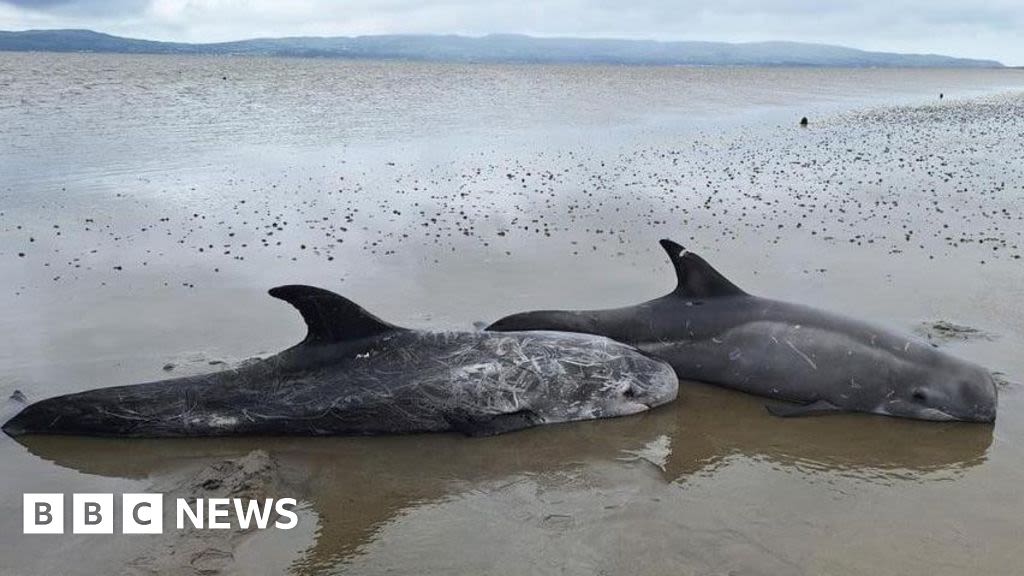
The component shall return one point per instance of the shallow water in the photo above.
(155, 199)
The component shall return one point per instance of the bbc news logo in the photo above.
(144, 513)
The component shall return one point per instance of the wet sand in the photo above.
(908, 215)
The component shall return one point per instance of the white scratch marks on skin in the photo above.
(481, 369)
(802, 355)
(124, 414)
(219, 421)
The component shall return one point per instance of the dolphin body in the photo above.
(711, 331)
(355, 374)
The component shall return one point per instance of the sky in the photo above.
(991, 29)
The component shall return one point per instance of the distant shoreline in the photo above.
(503, 48)
(411, 60)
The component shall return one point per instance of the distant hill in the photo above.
(495, 48)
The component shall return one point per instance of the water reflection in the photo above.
(358, 485)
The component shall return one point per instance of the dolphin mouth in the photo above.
(899, 409)
(985, 416)
(634, 407)
(935, 415)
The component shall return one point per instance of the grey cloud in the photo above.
(37, 4)
(84, 7)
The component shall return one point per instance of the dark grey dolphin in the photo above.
(356, 374)
(711, 331)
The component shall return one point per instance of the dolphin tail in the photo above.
(560, 320)
(12, 406)
(189, 406)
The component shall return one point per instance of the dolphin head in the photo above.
(594, 377)
(945, 388)
(632, 394)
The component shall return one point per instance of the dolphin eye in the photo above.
(919, 395)
(630, 392)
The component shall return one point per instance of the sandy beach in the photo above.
(132, 250)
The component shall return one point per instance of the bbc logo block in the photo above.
(144, 513)
(43, 513)
(93, 514)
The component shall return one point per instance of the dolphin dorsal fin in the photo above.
(330, 317)
(697, 279)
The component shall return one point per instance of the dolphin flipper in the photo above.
(817, 408)
(494, 425)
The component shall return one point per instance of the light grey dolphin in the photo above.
(356, 374)
(711, 331)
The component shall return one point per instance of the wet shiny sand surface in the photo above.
(146, 205)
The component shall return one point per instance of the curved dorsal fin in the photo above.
(330, 317)
(697, 279)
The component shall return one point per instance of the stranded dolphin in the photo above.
(356, 374)
(711, 331)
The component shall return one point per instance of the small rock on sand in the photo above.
(942, 331)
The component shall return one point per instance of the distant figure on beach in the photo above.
(803, 121)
